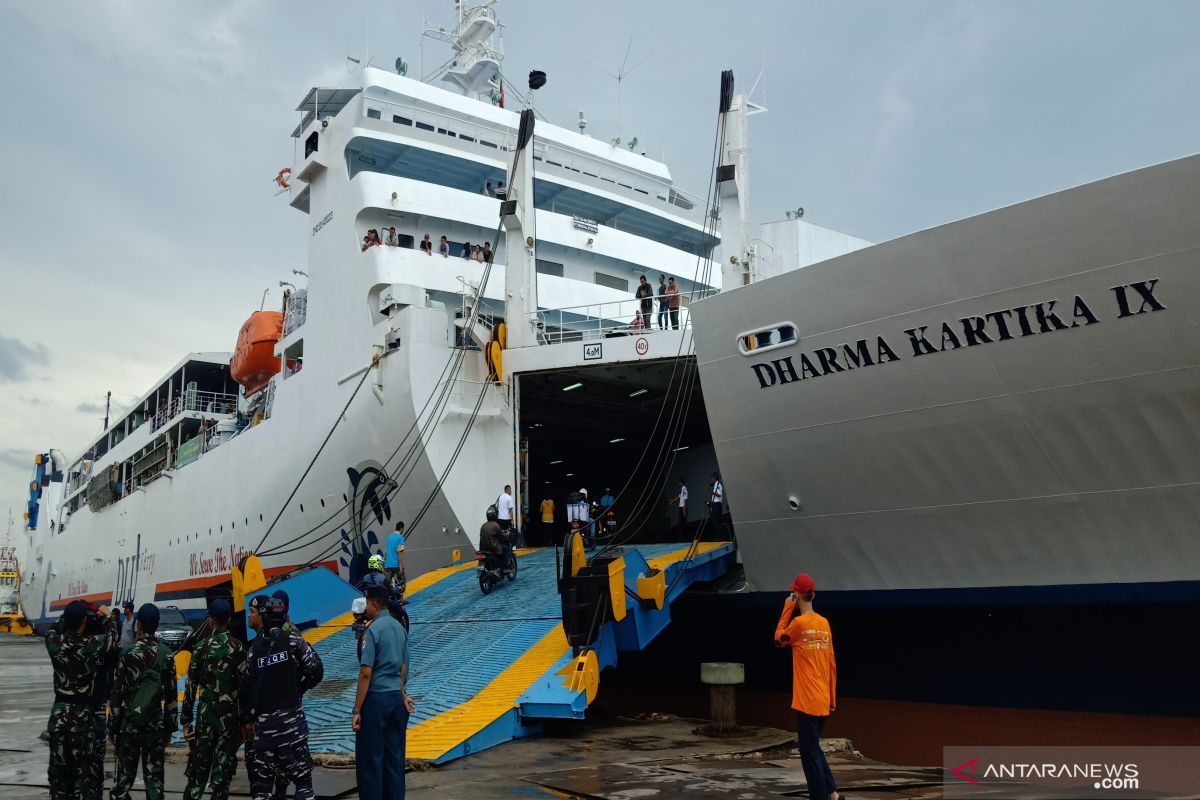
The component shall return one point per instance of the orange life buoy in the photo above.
(281, 177)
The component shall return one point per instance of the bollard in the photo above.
(723, 678)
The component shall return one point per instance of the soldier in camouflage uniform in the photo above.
(218, 664)
(143, 708)
(280, 668)
(76, 658)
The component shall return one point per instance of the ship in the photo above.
(982, 440)
(378, 390)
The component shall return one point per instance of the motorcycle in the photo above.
(494, 569)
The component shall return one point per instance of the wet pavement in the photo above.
(615, 758)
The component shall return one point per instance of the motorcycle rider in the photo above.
(493, 541)
(375, 575)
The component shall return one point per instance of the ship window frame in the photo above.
(546, 267)
(613, 280)
(775, 330)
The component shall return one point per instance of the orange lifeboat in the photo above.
(254, 360)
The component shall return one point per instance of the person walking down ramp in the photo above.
(814, 681)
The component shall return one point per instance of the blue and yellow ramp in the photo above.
(486, 669)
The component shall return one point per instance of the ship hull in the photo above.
(182, 534)
(1002, 409)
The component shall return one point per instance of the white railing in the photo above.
(205, 402)
(296, 312)
(611, 319)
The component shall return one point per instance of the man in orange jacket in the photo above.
(814, 681)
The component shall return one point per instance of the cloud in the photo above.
(16, 457)
(89, 408)
(16, 358)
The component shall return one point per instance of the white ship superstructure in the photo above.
(162, 503)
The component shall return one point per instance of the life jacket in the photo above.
(277, 684)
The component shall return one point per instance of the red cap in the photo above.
(804, 584)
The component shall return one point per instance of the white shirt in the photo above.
(718, 492)
(682, 496)
(504, 505)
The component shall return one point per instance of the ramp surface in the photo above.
(484, 668)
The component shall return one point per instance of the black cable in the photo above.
(366, 373)
(712, 202)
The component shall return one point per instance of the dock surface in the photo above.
(577, 760)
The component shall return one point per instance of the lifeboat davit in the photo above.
(254, 360)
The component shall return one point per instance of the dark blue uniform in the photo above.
(280, 668)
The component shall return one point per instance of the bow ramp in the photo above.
(486, 669)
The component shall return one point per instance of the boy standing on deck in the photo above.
(814, 681)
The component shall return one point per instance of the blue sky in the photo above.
(138, 220)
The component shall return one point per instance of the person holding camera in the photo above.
(76, 656)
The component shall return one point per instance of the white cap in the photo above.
(359, 606)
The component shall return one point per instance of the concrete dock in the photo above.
(597, 758)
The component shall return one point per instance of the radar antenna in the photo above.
(619, 76)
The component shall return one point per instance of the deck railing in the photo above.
(194, 400)
(614, 318)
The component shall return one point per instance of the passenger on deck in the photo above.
(663, 302)
(392, 241)
(646, 295)
(466, 251)
(501, 191)
(444, 247)
(489, 189)
(673, 303)
(427, 245)
(368, 243)
(477, 254)
(638, 324)
(487, 252)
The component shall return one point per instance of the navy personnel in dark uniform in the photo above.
(280, 668)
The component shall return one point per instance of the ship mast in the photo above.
(738, 267)
(475, 67)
